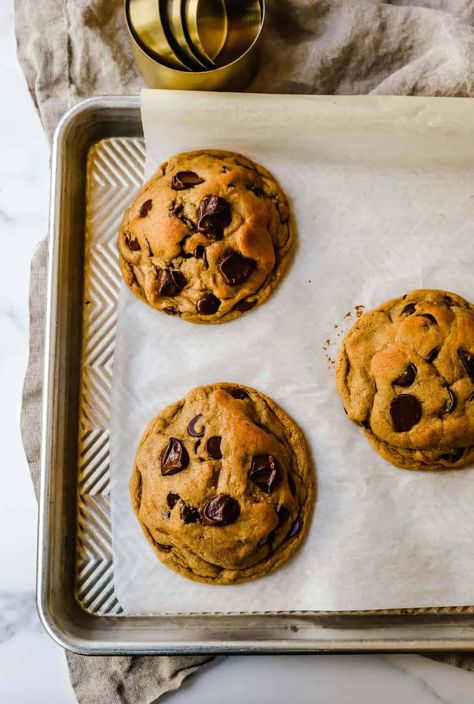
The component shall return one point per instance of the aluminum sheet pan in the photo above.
(97, 166)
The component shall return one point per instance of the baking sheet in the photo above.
(382, 193)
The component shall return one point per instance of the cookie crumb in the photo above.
(359, 310)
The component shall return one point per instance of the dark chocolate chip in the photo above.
(222, 510)
(213, 447)
(407, 378)
(196, 445)
(295, 529)
(235, 268)
(467, 359)
(405, 410)
(165, 548)
(172, 499)
(431, 356)
(208, 304)
(200, 253)
(175, 209)
(429, 317)
(409, 309)
(214, 216)
(146, 207)
(453, 456)
(450, 404)
(189, 514)
(174, 457)
(265, 473)
(132, 243)
(192, 430)
(471, 397)
(244, 305)
(185, 179)
(282, 513)
(169, 310)
(169, 282)
(239, 394)
(291, 485)
(258, 192)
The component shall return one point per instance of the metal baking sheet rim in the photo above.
(64, 618)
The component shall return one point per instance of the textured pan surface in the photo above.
(114, 174)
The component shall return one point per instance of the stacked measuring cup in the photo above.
(195, 44)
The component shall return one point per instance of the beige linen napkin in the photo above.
(71, 49)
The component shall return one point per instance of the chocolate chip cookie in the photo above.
(405, 374)
(207, 238)
(222, 485)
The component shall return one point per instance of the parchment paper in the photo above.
(383, 195)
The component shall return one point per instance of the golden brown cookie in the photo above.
(207, 238)
(222, 485)
(405, 373)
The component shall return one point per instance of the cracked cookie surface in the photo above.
(208, 237)
(223, 485)
(405, 374)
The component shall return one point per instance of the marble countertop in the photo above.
(33, 668)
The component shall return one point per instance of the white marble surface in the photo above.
(32, 667)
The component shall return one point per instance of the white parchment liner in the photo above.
(382, 190)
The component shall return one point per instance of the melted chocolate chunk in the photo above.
(407, 378)
(200, 253)
(450, 404)
(282, 513)
(208, 304)
(405, 410)
(214, 216)
(235, 268)
(169, 282)
(291, 485)
(409, 309)
(295, 529)
(196, 445)
(470, 397)
(189, 514)
(146, 207)
(160, 546)
(174, 458)
(429, 317)
(222, 510)
(239, 394)
(132, 243)
(192, 430)
(244, 305)
(169, 310)
(213, 447)
(453, 456)
(258, 192)
(467, 359)
(172, 499)
(431, 356)
(185, 179)
(265, 473)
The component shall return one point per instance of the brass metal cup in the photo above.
(238, 69)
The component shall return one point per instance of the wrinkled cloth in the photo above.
(72, 49)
